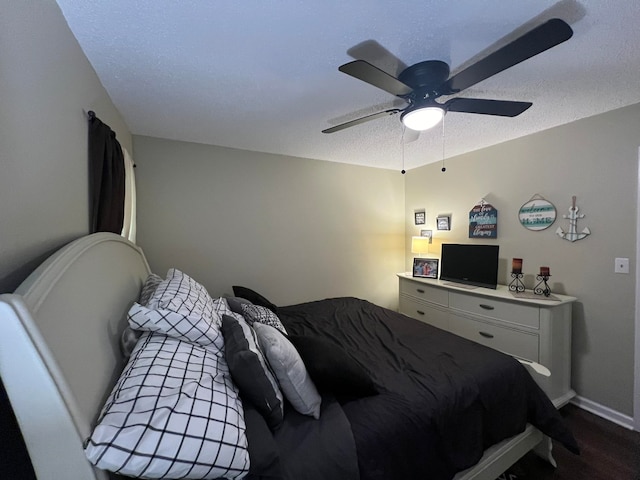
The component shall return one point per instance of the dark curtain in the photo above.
(106, 178)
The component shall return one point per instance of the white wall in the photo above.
(293, 229)
(46, 84)
(594, 159)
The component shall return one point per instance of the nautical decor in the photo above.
(483, 221)
(537, 213)
(572, 235)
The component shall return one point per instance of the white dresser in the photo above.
(530, 329)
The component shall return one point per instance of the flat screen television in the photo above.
(470, 264)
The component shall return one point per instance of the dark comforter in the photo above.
(442, 399)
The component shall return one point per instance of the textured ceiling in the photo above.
(263, 75)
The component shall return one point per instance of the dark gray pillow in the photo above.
(235, 303)
(250, 371)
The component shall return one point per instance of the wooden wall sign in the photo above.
(483, 221)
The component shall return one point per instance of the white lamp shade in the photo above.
(419, 245)
(422, 118)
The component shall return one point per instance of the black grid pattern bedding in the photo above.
(174, 413)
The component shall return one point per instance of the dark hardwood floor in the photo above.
(607, 452)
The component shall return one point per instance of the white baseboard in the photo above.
(605, 412)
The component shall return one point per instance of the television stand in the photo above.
(534, 329)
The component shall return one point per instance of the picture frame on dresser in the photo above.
(425, 267)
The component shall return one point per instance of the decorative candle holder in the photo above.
(516, 284)
(542, 287)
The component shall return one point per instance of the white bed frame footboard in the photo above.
(60, 356)
(59, 347)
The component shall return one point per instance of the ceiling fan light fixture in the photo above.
(422, 118)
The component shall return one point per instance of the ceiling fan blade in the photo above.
(374, 76)
(502, 108)
(374, 53)
(360, 120)
(541, 38)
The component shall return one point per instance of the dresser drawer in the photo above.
(431, 314)
(424, 292)
(514, 342)
(517, 313)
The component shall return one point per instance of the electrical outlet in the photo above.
(622, 265)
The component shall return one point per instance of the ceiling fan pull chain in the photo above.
(444, 169)
(403, 171)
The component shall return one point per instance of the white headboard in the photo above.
(59, 347)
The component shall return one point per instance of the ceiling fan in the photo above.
(421, 84)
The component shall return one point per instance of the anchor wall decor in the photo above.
(572, 235)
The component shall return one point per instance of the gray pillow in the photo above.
(286, 363)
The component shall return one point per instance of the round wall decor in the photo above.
(537, 213)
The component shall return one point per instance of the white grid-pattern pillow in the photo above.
(130, 335)
(181, 294)
(255, 313)
(174, 413)
(148, 288)
(183, 327)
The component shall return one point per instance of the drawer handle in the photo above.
(487, 307)
(486, 335)
(419, 290)
(420, 312)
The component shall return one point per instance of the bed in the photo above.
(429, 404)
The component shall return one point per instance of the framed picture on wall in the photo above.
(425, 267)
(420, 217)
(428, 234)
(443, 222)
